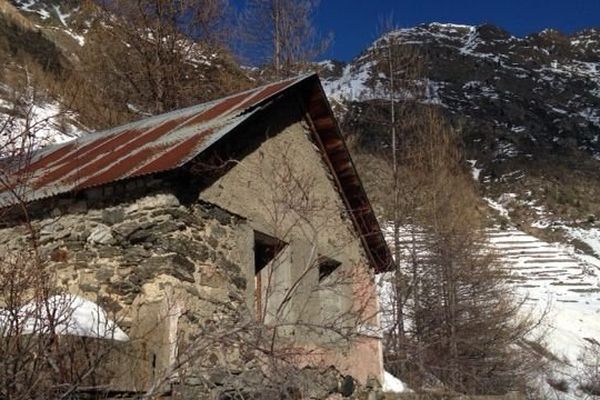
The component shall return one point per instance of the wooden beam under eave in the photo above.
(324, 124)
(334, 145)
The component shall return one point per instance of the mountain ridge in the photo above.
(521, 104)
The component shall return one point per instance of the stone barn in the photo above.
(243, 217)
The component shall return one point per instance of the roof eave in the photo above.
(334, 148)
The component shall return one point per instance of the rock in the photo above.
(111, 216)
(141, 235)
(329, 379)
(134, 255)
(88, 287)
(73, 246)
(221, 215)
(84, 256)
(157, 201)
(219, 376)
(80, 233)
(228, 266)
(183, 216)
(101, 234)
(194, 381)
(125, 288)
(167, 227)
(217, 232)
(347, 386)
(212, 278)
(212, 242)
(108, 252)
(104, 274)
(194, 250)
(109, 304)
(54, 231)
(183, 268)
(239, 282)
(126, 229)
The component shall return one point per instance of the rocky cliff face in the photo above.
(527, 109)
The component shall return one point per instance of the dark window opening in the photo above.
(266, 249)
(326, 267)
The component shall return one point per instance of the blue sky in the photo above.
(354, 23)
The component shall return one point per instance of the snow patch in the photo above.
(391, 384)
(69, 315)
(43, 125)
(474, 170)
(591, 115)
(590, 236)
(61, 17)
(351, 86)
(497, 206)
(80, 39)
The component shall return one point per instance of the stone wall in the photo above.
(156, 266)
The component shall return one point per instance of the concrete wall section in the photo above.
(284, 189)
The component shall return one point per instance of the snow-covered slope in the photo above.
(27, 123)
(556, 278)
(560, 286)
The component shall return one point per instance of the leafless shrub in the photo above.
(41, 354)
(589, 373)
(155, 55)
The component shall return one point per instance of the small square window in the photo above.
(326, 267)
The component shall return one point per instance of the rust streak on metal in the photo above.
(115, 141)
(83, 157)
(123, 151)
(78, 152)
(120, 168)
(217, 110)
(50, 158)
(263, 94)
(171, 157)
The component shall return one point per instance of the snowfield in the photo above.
(556, 278)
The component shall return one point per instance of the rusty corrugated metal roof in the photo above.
(169, 141)
(148, 146)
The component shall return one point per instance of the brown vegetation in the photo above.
(453, 319)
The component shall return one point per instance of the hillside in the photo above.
(527, 109)
(554, 281)
(73, 67)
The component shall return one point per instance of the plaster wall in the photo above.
(283, 189)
